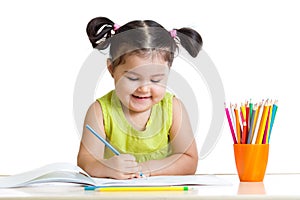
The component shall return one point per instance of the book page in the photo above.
(70, 173)
(46, 173)
(164, 181)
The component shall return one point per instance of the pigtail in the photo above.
(190, 40)
(98, 30)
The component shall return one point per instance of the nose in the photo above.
(144, 88)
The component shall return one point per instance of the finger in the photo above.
(123, 176)
(127, 157)
(131, 170)
(129, 164)
(130, 176)
(137, 175)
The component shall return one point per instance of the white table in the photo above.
(275, 186)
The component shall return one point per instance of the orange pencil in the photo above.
(237, 124)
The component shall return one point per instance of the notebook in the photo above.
(70, 173)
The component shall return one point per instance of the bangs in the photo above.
(162, 54)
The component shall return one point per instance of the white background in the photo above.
(43, 44)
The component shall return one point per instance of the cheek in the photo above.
(158, 92)
(124, 88)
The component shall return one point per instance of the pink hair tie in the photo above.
(116, 27)
(173, 33)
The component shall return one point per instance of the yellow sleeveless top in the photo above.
(149, 144)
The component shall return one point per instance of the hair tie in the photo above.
(173, 33)
(116, 27)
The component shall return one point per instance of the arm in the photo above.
(184, 158)
(91, 152)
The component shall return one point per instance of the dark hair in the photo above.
(140, 37)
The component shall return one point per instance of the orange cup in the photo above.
(251, 161)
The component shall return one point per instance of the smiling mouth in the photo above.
(139, 97)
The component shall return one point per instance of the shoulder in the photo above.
(95, 111)
(168, 99)
(172, 103)
(94, 118)
(101, 102)
(179, 115)
(176, 106)
(106, 98)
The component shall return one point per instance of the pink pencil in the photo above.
(266, 129)
(230, 124)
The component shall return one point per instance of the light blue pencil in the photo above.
(273, 118)
(107, 144)
(103, 140)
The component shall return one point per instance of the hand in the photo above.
(145, 170)
(123, 166)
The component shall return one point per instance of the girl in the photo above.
(147, 125)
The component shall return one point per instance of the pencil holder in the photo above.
(251, 161)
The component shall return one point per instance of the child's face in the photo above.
(141, 82)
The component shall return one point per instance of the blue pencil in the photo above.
(92, 187)
(107, 144)
(273, 118)
(103, 140)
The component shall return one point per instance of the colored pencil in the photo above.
(250, 111)
(237, 123)
(230, 124)
(257, 121)
(266, 128)
(247, 116)
(244, 134)
(252, 126)
(103, 140)
(232, 115)
(262, 124)
(143, 188)
(243, 111)
(274, 110)
(251, 120)
(269, 124)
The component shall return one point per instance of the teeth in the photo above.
(139, 97)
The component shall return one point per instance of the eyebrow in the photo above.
(137, 74)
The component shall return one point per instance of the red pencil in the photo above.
(247, 116)
(244, 134)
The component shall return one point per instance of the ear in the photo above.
(110, 66)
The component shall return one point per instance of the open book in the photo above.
(70, 173)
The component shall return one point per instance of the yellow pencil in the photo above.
(243, 109)
(262, 124)
(143, 189)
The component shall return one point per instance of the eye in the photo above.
(155, 81)
(132, 79)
